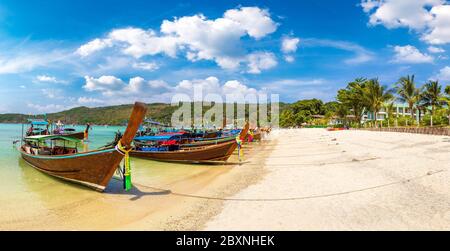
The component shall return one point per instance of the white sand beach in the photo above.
(345, 180)
(299, 179)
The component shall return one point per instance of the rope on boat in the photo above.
(301, 197)
(127, 166)
(320, 163)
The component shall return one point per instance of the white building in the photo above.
(399, 110)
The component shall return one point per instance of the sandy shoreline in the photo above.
(300, 179)
(346, 180)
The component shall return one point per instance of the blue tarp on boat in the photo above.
(38, 122)
(156, 138)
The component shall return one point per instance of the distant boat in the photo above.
(92, 168)
(173, 152)
(70, 132)
(37, 127)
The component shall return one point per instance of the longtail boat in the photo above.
(213, 152)
(38, 127)
(70, 132)
(92, 168)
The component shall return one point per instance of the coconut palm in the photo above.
(432, 96)
(390, 111)
(407, 92)
(446, 100)
(375, 96)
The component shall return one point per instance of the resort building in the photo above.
(399, 110)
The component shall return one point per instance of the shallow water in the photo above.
(30, 199)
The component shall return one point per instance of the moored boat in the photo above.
(167, 149)
(92, 168)
(71, 132)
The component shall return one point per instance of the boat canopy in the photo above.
(38, 122)
(40, 138)
(156, 138)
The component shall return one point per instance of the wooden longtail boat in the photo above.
(93, 168)
(215, 152)
(70, 132)
(76, 135)
(209, 142)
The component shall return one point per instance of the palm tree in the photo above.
(432, 96)
(390, 111)
(407, 92)
(446, 99)
(375, 96)
(352, 98)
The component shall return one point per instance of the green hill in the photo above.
(111, 115)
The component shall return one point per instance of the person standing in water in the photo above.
(86, 131)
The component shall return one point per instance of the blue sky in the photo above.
(55, 55)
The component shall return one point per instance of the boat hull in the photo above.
(93, 169)
(208, 142)
(76, 135)
(218, 152)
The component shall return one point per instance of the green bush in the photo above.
(439, 119)
(405, 121)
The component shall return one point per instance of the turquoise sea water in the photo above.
(15, 173)
(28, 196)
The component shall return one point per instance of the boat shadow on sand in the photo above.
(115, 186)
(39, 183)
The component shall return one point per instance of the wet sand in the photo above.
(346, 180)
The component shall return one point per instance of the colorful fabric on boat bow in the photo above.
(240, 150)
(250, 136)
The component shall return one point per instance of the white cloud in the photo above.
(36, 108)
(117, 91)
(369, 5)
(49, 79)
(88, 100)
(45, 78)
(52, 93)
(430, 18)
(106, 84)
(111, 86)
(255, 21)
(135, 85)
(439, 26)
(444, 74)
(260, 61)
(289, 58)
(410, 54)
(288, 83)
(22, 87)
(93, 46)
(158, 84)
(28, 60)
(148, 66)
(433, 49)
(138, 42)
(234, 87)
(198, 37)
(361, 54)
(289, 44)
